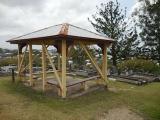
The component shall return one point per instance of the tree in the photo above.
(1, 50)
(149, 23)
(78, 57)
(8, 61)
(110, 21)
(127, 47)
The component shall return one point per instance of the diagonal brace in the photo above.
(21, 63)
(53, 66)
(92, 60)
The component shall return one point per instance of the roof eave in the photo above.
(60, 36)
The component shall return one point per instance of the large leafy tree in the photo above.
(149, 22)
(110, 20)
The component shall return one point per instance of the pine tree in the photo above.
(127, 46)
(149, 22)
(110, 21)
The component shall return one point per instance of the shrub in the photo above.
(139, 65)
(8, 61)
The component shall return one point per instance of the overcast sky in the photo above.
(18, 17)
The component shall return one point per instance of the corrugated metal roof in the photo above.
(77, 31)
(61, 29)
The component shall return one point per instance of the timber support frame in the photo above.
(63, 37)
(63, 51)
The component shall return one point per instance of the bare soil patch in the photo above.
(122, 113)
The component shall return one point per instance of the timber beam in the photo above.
(104, 62)
(43, 67)
(30, 64)
(64, 89)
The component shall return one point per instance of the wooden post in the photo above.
(30, 65)
(13, 77)
(104, 62)
(43, 67)
(85, 86)
(59, 62)
(64, 89)
(19, 61)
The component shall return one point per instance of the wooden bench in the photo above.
(72, 82)
(34, 77)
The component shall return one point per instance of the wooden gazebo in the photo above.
(62, 37)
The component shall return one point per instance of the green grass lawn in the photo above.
(18, 102)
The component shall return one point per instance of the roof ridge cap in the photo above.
(64, 29)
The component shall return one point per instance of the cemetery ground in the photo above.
(122, 101)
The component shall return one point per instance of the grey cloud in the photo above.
(78, 7)
(22, 16)
(15, 3)
(25, 5)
